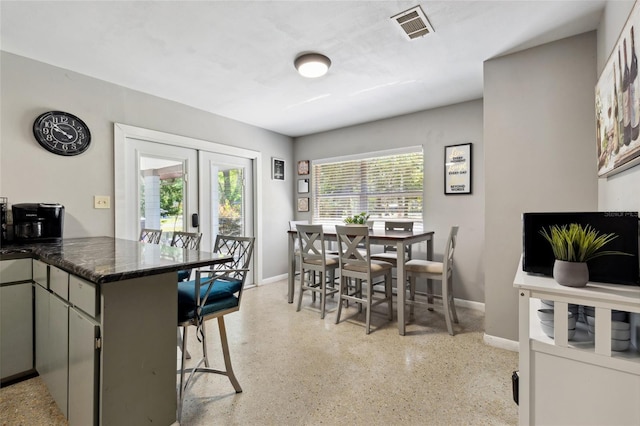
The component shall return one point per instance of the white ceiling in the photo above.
(235, 58)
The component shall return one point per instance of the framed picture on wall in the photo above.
(277, 169)
(303, 167)
(617, 101)
(303, 204)
(303, 186)
(457, 169)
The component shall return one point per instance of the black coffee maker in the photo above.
(38, 222)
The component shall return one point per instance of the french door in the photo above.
(163, 186)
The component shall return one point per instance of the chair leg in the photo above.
(368, 309)
(340, 291)
(301, 290)
(182, 371)
(181, 346)
(453, 306)
(227, 357)
(323, 294)
(446, 304)
(389, 294)
(412, 295)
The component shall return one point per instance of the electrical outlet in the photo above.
(101, 202)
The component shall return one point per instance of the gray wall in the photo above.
(28, 173)
(433, 130)
(540, 154)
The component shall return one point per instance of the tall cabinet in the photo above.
(578, 379)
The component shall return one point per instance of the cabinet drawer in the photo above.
(13, 270)
(83, 294)
(40, 270)
(59, 282)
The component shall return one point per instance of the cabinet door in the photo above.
(42, 332)
(59, 351)
(12, 270)
(41, 273)
(16, 329)
(83, 369)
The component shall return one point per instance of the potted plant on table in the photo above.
(573, 246)
(358, 219)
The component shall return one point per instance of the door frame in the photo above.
(122, 132)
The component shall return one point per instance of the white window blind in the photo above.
(386, 185)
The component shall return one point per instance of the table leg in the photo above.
(400, 287)
(292, 268)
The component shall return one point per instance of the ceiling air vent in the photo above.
(413, 22)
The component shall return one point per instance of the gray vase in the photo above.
(571, 274)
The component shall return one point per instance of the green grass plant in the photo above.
(575, 243)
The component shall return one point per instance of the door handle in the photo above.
(195, 221)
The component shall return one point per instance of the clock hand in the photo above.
(55, 126)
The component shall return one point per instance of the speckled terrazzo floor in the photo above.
(297, 369)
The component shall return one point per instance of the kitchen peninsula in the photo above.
(105, 324)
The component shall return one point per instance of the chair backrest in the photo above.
(311, 243)
(187, 240)
(351, 240)
(447, 262)
(152, 236)
(391, 225)
(241, 249)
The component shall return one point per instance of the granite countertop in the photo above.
(105, 259)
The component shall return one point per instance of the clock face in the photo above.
(62, 133)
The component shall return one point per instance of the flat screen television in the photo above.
(537, 256)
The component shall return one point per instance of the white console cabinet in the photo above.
(578, 380)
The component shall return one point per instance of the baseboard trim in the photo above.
(502, 343)
(470, 304)
(272, 280)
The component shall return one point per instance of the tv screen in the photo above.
(538, 257)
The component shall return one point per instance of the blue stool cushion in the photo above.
(184, 275)
(222, 296)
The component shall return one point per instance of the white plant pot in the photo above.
(571, 274)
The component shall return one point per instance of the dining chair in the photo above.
(152, 236)
(213, 294)
(439, 271)
(186, 240)
(390, 253)
(296, 244)
(353, 264)
(313, 259)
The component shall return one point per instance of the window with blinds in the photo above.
(387, 185)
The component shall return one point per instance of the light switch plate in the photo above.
(101, 202)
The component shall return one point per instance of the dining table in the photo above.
(401, 239)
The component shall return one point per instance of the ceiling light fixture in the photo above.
(312, 65)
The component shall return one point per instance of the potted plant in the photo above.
(573, 246)
(358, 219)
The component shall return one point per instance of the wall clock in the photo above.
(61, 133)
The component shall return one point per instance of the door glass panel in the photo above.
(231, 206)
(162, 195)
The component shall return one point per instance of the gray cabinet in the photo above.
(67, 353)
(84, 339)
(16, 318)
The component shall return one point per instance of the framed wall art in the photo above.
(303, 167)
(303, 204)
(277, 169)
(457, 169)
(617, 99)
(303, 186)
